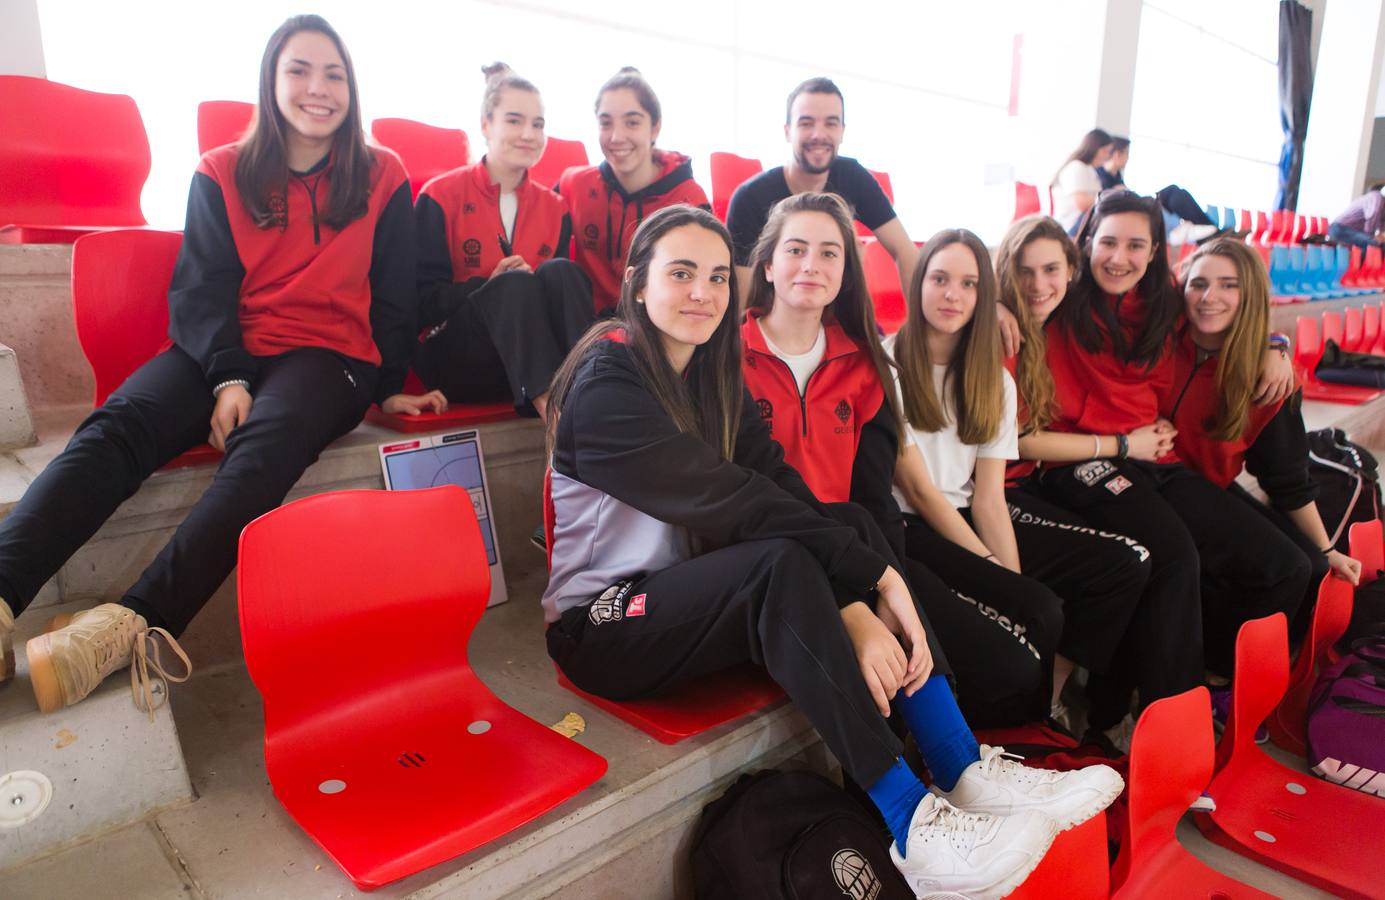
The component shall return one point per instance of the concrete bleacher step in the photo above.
(70, 775)
(16, 425)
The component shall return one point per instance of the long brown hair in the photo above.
(1239, 360)
(706, 399)
(1032, 375)
(1086, 151)
(975, 374)
(262, 170)
(852, 308)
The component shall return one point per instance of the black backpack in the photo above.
(791, 836)
(1348, 480)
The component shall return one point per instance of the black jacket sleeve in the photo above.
(393, 292)
(616, 438)
(1279, 458)
(564, 248)
(438, 296)
(204, 297)
(872, 476)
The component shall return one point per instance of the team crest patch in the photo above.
(471, 247)
(635, 607)
(843, 411)
(545, 250)
(1118, 484)
(468, 208)
(1089, 473)
(607, 607)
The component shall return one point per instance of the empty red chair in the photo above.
(558, 156)
(1331, 613)
(1170, 763)
(1300, 229)
(1244, 227)
(729, 172)
(221, 122)
(1262, 227)
(120, 282)
(1026, 200)
(426, 150)
(1370, 329)
(691, 709)
(1352, 329)
(1352, 277)
(882, 179)
(882, 278)
(380, 740)
(1368, 548)
(1296, 823)
(1332, 328)
(71, 161)
(1372, 273)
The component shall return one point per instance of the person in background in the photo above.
(1184, 219)
(1362, 223)
(1075, 185)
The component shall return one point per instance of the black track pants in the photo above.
(1317, 562)
(304, 399)
(509, 337)
(767, 602)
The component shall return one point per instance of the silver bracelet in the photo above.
(216, 391)
(1096, 443)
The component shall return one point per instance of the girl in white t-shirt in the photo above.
(1076, 184)
(959, 405)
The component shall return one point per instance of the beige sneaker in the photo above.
(6, 642)
(67, 664)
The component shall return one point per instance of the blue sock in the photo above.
(943, 736)
(897, 795)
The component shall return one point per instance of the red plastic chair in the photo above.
(426, 150)
(1288, 722)
(729, 172)
(558, 156)
(1300, 229)
(1262, 227)
(1074, 868)
(1308, 350)
(71, 161)
(1368, 548)
(1352, 329)
(695, 707)
(1244, 226)
(882, 179)
(221, 122)
(1370, 329)
(380, 740)
(1170, 764)
(120, 284)
(882, 277)
(1306, 827)
(1026, 200)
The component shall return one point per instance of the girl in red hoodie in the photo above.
(608, 202)
(501, 303)
(292, 308)
(1109, 349)
(822, 383)
(1220, 430)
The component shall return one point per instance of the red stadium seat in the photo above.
(1288, 722)
(1370, 329)
(1244, 227)
(1352, 277)
(1026, 200)
(1352, 326)
(380, 740)
(71, 161)
(1074, 868)
(1368, 548)
(1170, 764)
(120, 284)
(558, 156)
(729, 172)
(1262, 227)
(1308, 350)
(1296, 823)
(882, 179)
(426, 150)
(1300, 229)
(458, 415)
(882, 278)
(691, 709)
(221, 122)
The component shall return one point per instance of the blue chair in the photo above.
(1228, 219)
(1214, 214)
(1279, 272)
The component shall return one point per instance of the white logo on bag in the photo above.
(854, 875)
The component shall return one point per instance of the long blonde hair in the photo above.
(1239, 360)
(975, 374)
(1032, 375)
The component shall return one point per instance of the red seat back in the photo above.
(558, 156)
(882, 278)
(1332, 328)
(882, 179)
(1244, 225)
(1262, 674)
(120, 285)
(1171, 755)
(1262, 227)
(69, 157)
(1368, 548)
(1288, 723)
(221, 122)
(1370, 329)
(729, 172)
(426, 150)
(1307, 344)
(1352, 329)
(1026, 200)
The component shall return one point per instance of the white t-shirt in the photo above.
(950, 462)
(509, 208)
(802, 365)
(1074, 178)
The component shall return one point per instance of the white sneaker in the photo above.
(998, 785)
(976, 855)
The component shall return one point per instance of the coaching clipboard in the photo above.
(440, 459)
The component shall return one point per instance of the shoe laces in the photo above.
(945, 816)
(997, 763)
(144, 659)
